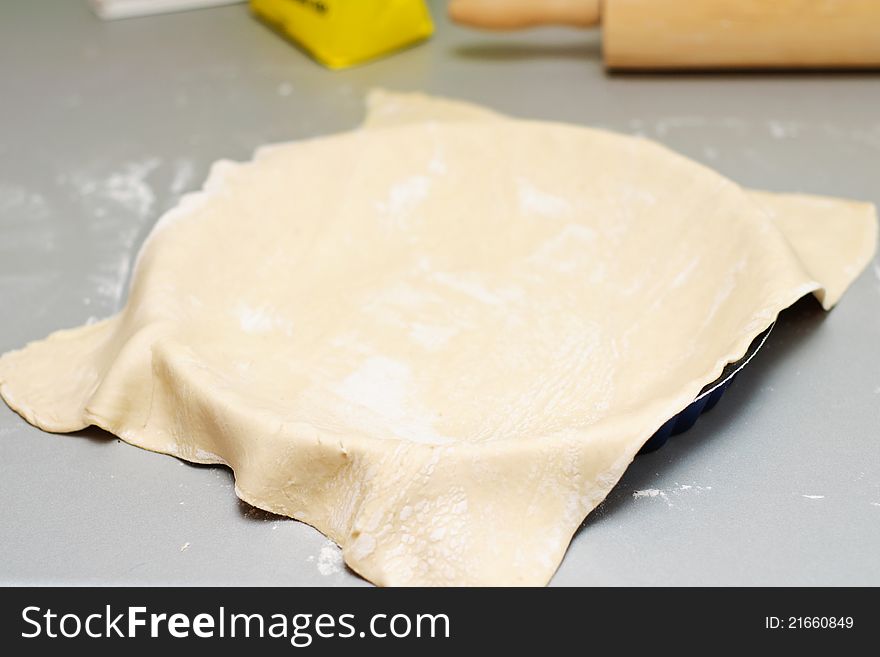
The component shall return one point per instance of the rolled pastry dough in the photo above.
(439, 339)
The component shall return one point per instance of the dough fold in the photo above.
(439, 339)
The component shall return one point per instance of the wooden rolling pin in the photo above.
(683, 34)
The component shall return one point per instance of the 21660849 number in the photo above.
(809, 622)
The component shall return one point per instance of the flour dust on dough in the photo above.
(439, 339)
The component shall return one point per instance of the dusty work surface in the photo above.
(104, 125)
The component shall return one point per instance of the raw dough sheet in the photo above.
(441, 338)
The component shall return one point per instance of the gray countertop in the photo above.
(104, 125)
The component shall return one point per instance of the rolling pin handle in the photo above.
(521, 14)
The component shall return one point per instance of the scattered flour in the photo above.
(534, 201)
(725, 289)
(261, 320)
(437, 165)
(17, 198)
(664, 125)
(567, 251)
(471, 286)
(118, 203)
(110, 278)
(405, 195)
(329, 560)
(814, 497)
(431, 336)
(664, 494)
(183, 175)
(383, 387)
(682, 277)
(468, 286)
(783, 129)
(128, 188)
(20, 207)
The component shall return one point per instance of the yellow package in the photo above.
(340, 33)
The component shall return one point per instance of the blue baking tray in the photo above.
(706, 400)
